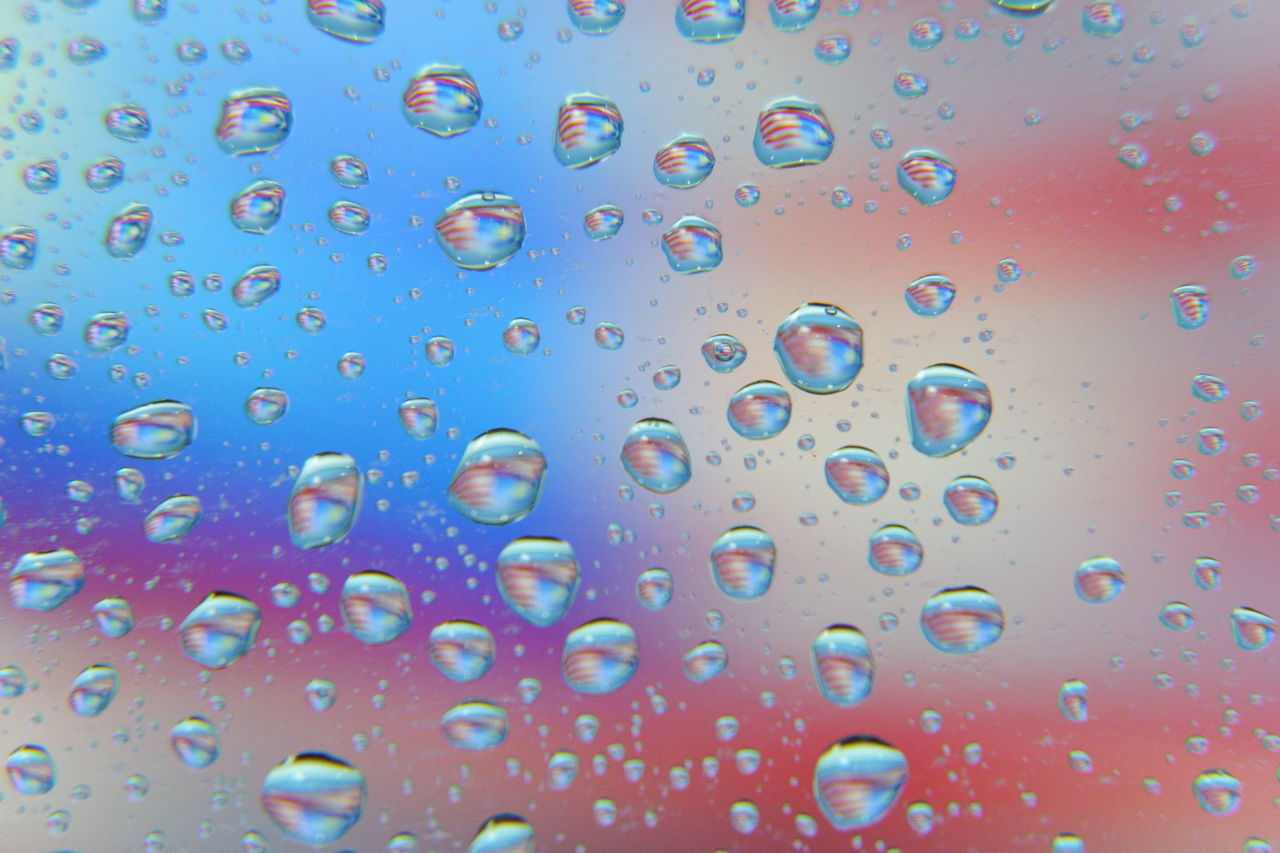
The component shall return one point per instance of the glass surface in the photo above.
(438, 425)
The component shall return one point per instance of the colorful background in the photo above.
(1089, 372)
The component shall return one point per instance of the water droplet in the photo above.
(692, 245)
(314, 797)
(603, 222)
(538, 578)
(819, 347)
(505, 833)
(265, 406)
(970, 500)
(325, 500)
(220, 629)
(1252, 629)
(321, 694)
(1177, 616)
(930, 296)
(375, 607)
(359, 21)
(1073, 701)
(742, 562)
(1209, 389)
(419, 416)
(173, 518)
(128, 122)
(106, 331)
(962, 619)
(481, 230)
(600, 657)
(562, 769)
(588, 129)
(792, 132)
(475, 725)
(925, 33)
(723, 353)
(349, 171)
(463, 651)
(832, 49)
(45, 580)
(1190, 306)
(1027, 8)
(257, 208)
(895, 550)
(195, 741)
(498, 478)
(521, 336)
(30, 770)
(127, 231)
(842, 665)
(655, 455)
(792, 16)
(857, 780)
(710, 20)
(443, 100)
(41, 176)
(254, 121)
(654, 588)
(114, 617)
(927, 176)
(705, 661)
(93, 690)
(947, 408)
(1103, 20)
(857, 475)
(684, 162)
(439, 351)
(759, 410)
(1099, 580)
(1218, 792)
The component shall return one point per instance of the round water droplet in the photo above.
(349, 217)
(1252, 629)
(173, 518)
(1218, 792)
(705, 661)
(30, 770)
(927, 176)
(321, 694)
(600, 657)
(588, 129)
(92, 691)
(504, 833)
(41, 176)
(742, 562)
(521, 336)
(359, 21)
(930, 296)
(723, 353)
(45, 580)
(842, 665)
(603, 222)
(349, 171)
(819, 347)
(1209, 389)
(439, 351)
(265, 406)
(255, 286)
(947, 409)
(654, 588)
(443, 100)
(655, 455)
(970, 500)
(498, 478)
(195, 741)
(375, 607)
(895, 550)
(833, 49)
(538, 578)
(106, 331)
(325, 500)
(684, 162)
(128, 122)
(759, 410)
(791, 132)
(254, 121)
(857, 475)
(925, 33)
(463, 651)
(257, 208)
(314, 797)
(1099, 580)
(1103, 20)
(114, 617)
(419, 416)
(220, 629)
(481, 230)
(692, 245)
(962, 619)
(127, 231)
(1177, 616)
(609, 336)
(710, 20)
(1027, 8)
(857, 780)
(747, 195)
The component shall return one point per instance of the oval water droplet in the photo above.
(600, 657)
(710, 20)
(742, 562)
(504, 833)
(30, 769)
(1099, 580)
(325, 500)
(220, 630)
(127, 231)
(45, 580)
(538, 578)
(962, 619)
(692, 245)
(265, 406)
(314, 797)
(359, 21)
(481, 230)
(418, 416)
(930, 296)
(1253, 630)
(92, 691)
(1218, 792)
(475, 725)
(759, 410)
(927, 176)
(258, 207)
(857, 475)
(857, 780)
(705, 661)
(684, 162)
(463, 651)
(842, 665)
(498, 478)
(895, 550)
(819, 347)
(947, 408)
(655, 455)
(172, 518)
(195, 741)
(375, 607)
(1190, 306)
(970, 500)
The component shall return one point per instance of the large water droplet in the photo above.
(857, 475)
(684, 162)
(692, 245)
(588, 129)
(504, 833)
(655, 455)
(375, 607)
(172, 518)
(947, 408)
(498, 478)
(895, 550)
(254, 121)
(1253, 630)
(1099, 580)
(842, 665)
(857, 780)
(792, 132)
(45, 580)
(325, 500)
(418, 416)
(314, 797)
(258, 207)
(92, 691)
(538, 578)
(600, 656)
(819, 347)
(195, 741)
(359, 21)
(705, 661)
(962, 619)
(742, 562)
(443, 100)
(710, 20)
(127, 231)
(927, 176)
(481, 230)
(30, 770)
(220, 629)
(759, 410)
(1218, 792)
(970, 500)
(463, 651)
(156, 430)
